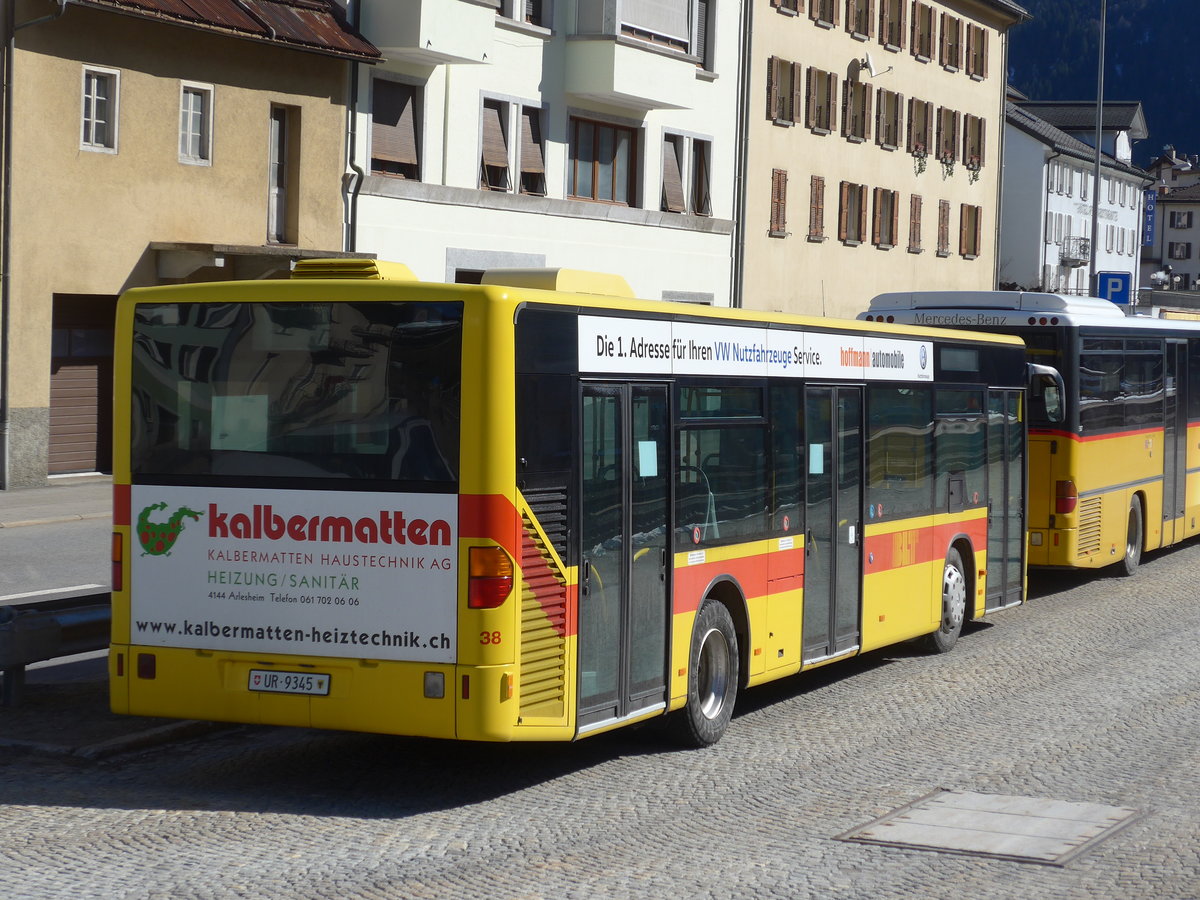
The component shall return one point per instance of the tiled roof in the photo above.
(317, 26)
(1081, 115)
(1181, 195)
(1057, 139)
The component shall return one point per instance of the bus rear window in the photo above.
(365, 391)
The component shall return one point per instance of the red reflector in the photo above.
(1065, 496)
(466, 692)
(120, 665)
(147, 666)
(118, 577)
(490, 577)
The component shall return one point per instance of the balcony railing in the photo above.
(1075, 252)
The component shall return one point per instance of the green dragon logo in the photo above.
(157, 539)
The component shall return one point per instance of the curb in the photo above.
(55, 520)
(151, 737)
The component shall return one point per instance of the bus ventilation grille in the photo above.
(549, 505)
(1089, 527)
(543, 631)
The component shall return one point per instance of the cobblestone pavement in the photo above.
(1090, 692)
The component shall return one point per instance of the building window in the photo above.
(1085, 183)
(824, 12)
(783, 89)
(531, 163)
(947, 134)
(778, 203)
(790, 6)
(820, 90)
(891, 24)
(887, 119)
(667, 24)
(493, 162)
(886, 221)
(1180, 219)
(856, 110)
(603, 162)
(950, 54)
(968, 230)
(672, 174)
(195, 124)
(943, 240)
(977, 44)
(532, 12)
(394, 138)
(922, 31)
(858, 17)
(914, 223)
(920, 127)
(1178, 250)
(973, 148)
(283, 174)
(852, 213)
(98, 129)
(701, 199)
(816, 209)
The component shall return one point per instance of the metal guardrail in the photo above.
(47, 629)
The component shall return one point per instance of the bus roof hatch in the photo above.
(575, 281)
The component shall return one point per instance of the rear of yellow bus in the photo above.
(299, 536)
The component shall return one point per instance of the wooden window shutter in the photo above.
(831, 102)
(847, 93)
(893, 237)
(797, 88)
(880, 106)
(808, 98)
(775, 3)
(844, 211)
(910, 144)
(772, 90)
(862, 211)
(819, 203)
(900, 9)
(983, 52)
(870, 23)
(963, 224)
(896, 119)
(954, 142)
(866, 111)
(531, 142)
(914, 222)
(982, 149)
(978, 223)
(495, 149)
(778, 201)
(941, 143)
(393, 122)
(942, 44)
(672, 177)
(915, 32)
(877, 217)
(943, 226)
(836, 10)
(971, 49)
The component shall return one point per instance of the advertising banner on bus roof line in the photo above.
(642, 346)
(346, 574)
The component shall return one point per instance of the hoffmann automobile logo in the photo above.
(924, 357)
(158, 538)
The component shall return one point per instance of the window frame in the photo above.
(207, 92)
(888, 125)
(974, 136)
(852, 214)
(395, 146)
(891, 23)
(860, 13)
(598, 125)
(820, 101)
(824, 13)
(915, 204)
(87, 123)
(885, 219)
(778, 222)
(943, 241)
(495, 153)
(856, 111)
(531, 173)
(816, 209)
(783, 90)
(970, 226)
(923, 31)
(951, 44)
(976, 51)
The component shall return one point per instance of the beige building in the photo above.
(146, 143)
(874, 147)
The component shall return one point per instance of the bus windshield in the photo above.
(364, 391)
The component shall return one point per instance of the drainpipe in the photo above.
(740, 163)
(350, 239)
(10, 46)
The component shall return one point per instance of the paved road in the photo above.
(1091, 692)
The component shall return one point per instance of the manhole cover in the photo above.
(1025, 829)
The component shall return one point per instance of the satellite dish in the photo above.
(870, 64)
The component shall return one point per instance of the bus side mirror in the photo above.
(1052, 401)
(1047, 389)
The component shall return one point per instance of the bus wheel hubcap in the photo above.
(954, 598)
(712, 678)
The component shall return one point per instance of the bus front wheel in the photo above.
(1133, 539)
(712, 678)
(954, 605)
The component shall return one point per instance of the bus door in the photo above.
(833, 542)
(623, 590)
(1006, 508)
(1175, 406)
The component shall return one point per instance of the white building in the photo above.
(1172, 260)
(1048, 196)
(586, 134)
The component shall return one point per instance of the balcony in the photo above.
(627, 72)
(430, 32)
(1075, 252)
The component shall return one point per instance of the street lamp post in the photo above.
(1099, 135)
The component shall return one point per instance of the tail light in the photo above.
(490, 577)
(1065, 496)
(118, 576)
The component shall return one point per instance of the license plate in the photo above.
(274, 681)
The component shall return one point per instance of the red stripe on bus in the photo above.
(1088, 438)
(122, 499)
(915, 546)
(490, 516)
(691, 582)
(556, 599)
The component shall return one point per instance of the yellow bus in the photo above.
(537, 508)
(1121, 473)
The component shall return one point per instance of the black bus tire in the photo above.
(954, 605)
(712, 678)
(1134, 535)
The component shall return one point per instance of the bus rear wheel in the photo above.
(1133, 539)
(954, 605)
(712, 678)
